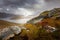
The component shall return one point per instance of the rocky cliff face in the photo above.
(8, 29)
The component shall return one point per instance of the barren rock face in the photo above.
(8, 29)
(15, 29)
(6, 33)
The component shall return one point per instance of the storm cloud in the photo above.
(10, 6)
(17, 7)
(27, 7)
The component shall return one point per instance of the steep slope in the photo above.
(8, 29)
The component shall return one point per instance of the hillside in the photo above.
(4, 24)
(48, 28)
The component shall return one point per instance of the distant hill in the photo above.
(4, 24)
(5, 15)
(10, 16)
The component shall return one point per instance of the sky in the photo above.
(11, 6)
(31, 6)
(26, 7)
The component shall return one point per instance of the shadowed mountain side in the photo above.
(10, 16)
(6, 15)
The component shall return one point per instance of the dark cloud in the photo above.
(13, 5)
(27, 7)
(16, 3)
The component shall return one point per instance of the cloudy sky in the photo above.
(14, 6)
(27, 7)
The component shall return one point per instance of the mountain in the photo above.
(54, 13)
(46, 29)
